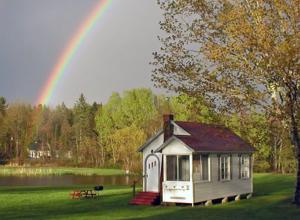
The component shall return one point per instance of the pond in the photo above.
(66, 180)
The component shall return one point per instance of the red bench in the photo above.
(76, 194)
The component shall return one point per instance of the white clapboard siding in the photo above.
(219, 189)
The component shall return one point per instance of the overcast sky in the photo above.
(114, 57)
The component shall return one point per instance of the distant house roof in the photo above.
(37, 146)
(211, 138)
(33, 146)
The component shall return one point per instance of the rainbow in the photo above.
(72, 48)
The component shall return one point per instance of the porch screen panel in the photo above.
(196, 167)
(184, 168)
(171, 168)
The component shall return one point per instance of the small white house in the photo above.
(188, 162)
(36, 151)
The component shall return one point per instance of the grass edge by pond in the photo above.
(47, 171)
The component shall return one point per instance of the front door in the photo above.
(152, 173)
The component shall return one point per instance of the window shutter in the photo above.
(219, 164)
(240, 166)
(231, 168)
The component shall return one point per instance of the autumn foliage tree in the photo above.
(240, 55)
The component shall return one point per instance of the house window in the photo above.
(184, 168)
(225, 167)
(201, 167)
(178, 167)
(245, 166)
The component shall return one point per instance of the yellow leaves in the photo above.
(213, 51)
(247, 42)
(126, 141)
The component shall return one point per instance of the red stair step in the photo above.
(146, 198)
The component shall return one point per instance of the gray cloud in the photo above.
(114, 57)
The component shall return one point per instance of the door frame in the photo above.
(158, 167)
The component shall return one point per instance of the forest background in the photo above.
(108, 135)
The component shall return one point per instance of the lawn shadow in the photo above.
(255, 208)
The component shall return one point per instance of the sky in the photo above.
(114, 56)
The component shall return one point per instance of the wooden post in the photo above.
(133, 188)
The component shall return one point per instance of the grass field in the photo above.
(44, 171)
(272, 200)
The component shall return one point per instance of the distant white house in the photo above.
(36, 151)
(188, 162)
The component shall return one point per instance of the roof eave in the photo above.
(168, 141)
(150, 140)
(224, 152)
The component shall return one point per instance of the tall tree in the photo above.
(3, 106)
(83, 128)
(3, 145)
(105, 120)
(239, 55)
(127, 140)
(137, 107)
(66, 134)
(19, 127)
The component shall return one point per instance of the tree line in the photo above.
(108, 135)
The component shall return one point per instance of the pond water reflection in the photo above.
(65, 180)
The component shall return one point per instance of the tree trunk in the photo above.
(297, 144)
(17, 151)
(280, 164)
(102, 155)
(275, 162)
(77, 149)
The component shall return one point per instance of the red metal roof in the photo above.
(215, 138)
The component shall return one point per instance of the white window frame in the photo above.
(208, 167)
(245, 166)
(198, 179)
(227, 162)
(177, 165)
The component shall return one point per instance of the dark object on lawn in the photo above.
(98, 189)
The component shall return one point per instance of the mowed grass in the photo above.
(271, 200)
(46, 171)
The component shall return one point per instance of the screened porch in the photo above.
(187, 168)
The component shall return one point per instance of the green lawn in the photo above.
(44, 171)
(271, 200)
